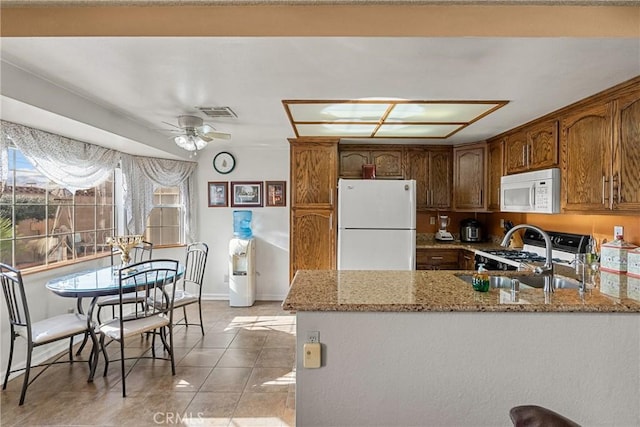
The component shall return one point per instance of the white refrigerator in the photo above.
(376, 224)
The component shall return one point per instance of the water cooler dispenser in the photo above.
(242, 255)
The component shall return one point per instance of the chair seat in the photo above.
(184, 298)
(128, 298)
(133, 327)
(54, 328)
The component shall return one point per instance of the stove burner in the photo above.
(517, 255)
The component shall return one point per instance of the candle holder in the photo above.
(125, 244)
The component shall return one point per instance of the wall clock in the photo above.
(224, 162)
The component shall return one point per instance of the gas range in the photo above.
(565, 246)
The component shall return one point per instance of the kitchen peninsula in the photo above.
(422, 348)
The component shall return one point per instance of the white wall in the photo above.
(468, 369)
(270, 224)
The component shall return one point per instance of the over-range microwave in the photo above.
(532, 192)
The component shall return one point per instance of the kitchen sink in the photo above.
(502, 282)
(494, 281)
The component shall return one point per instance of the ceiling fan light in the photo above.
(200, 143)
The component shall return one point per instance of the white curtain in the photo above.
(69, 163)
(142, 175)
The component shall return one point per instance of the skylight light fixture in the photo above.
(385, 118)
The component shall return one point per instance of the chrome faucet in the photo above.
(547, 269)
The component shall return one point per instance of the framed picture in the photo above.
(218, 194)
(276, 193)
(245, 193)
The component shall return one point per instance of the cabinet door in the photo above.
(542, 149)
(586, 153)
(351, 163)
(388, 163)
(417, 168)
(466, 260)
(516, 152)
(495, 164)
(313, 174)
(440, 174)
(469, 178)
(312, 240)
(626, 153)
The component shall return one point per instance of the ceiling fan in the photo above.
(195, 134)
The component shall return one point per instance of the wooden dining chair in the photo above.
(142, 252)
(156, 279)
(39, 333)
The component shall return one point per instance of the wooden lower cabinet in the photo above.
(466, 260)
(437, 259)
(313, 240)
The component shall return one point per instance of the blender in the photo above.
(442, 234)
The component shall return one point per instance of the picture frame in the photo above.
(246, 194)
(276, 193)
(218, 194)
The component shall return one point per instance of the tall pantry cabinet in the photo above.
(312, 239)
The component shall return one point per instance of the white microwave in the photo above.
(531, 192)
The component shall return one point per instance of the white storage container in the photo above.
(633, 263)
(613, 256)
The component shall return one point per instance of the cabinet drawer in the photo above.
(437, 259)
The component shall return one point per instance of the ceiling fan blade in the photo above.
(172, 125)
(217, 135)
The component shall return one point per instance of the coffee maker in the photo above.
(442, 234)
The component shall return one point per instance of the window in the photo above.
(164, 225)
(42, 223)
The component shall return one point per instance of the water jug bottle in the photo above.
(242, 224)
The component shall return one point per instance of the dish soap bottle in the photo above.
(480, 280)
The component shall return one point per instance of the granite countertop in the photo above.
(415, 291)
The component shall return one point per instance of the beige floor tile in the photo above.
(239, 358)
(227, 380)
(276, 358)
(215, 340)
(212, 409)
(260, 409)
(269, 380)
(202, 357)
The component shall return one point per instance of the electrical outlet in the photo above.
(432, 220)
(618, 232)
(501, 222)
(313, 336)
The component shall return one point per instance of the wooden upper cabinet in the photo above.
(440, 178)
(388, 161)
(532, 148)
(313, 174)
(586, 140)
(495, 161)
(432, 170)
(469, 177)
(351, 163)
(626, 153)
(542, 141)
(516, 152)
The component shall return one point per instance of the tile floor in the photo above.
(241, 373)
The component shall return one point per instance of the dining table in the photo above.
(94, 283)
